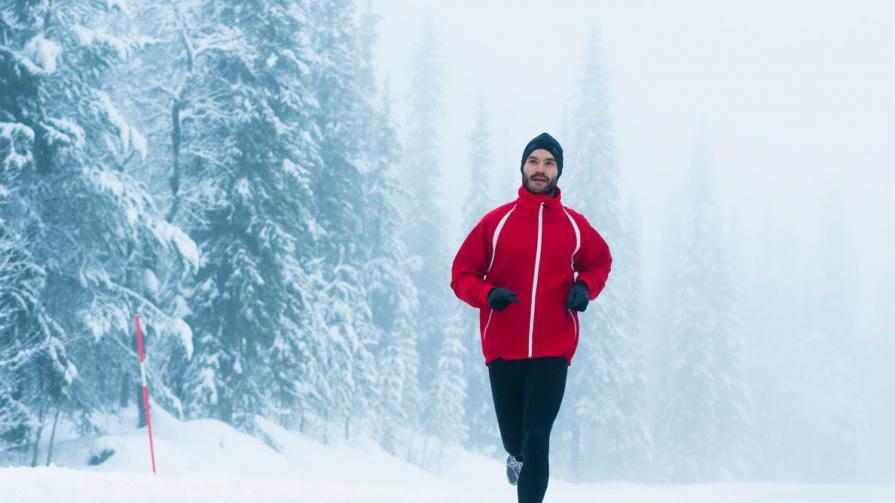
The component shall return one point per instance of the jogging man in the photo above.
(530, 266)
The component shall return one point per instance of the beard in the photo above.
(547, 189)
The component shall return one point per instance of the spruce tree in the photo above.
(704, 423)
(251, 304)
(606, 386)
(424, 232)
(479, 405)
(76, 209)
(391, 295)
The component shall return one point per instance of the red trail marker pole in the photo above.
(145, 390)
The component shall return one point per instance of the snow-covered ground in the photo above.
(207, 461)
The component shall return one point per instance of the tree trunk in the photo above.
(125, 394)
(175, 149)
(53, 434)
(37, 434)
(141, 407)
(576, 447)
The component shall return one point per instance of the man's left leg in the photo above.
(545, 384)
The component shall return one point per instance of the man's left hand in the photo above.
(577, 298)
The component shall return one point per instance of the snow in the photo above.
(174, 235)
(101, 319)
(43, 52)
(168, 234)
(186, 336)
(150, 280)
(207, 461)
(108, 181)
(67, 369)
(242, 187)
(87, 36)
(111, 112)
(138, 141)
(20, 139)
(65, 131)
(10, 130)
(84, 35)
(121, 5)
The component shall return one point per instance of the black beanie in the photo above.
(546, 142)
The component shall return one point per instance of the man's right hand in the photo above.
(500, 298)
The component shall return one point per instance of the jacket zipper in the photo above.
(534, 286)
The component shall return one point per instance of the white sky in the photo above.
(796, 99)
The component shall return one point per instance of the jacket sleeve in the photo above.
(470, 266)
(593, 261)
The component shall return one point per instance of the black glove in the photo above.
(577, 298)
(500, 298)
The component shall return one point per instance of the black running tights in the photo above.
(527, 394)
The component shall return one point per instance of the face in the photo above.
(540, 172)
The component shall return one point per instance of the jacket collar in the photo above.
(531, 201)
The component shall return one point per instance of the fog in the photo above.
(792, 105)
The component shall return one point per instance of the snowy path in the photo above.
(44, 485)
(206, 461)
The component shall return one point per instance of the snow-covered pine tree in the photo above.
(94, 229)
(250, 150)
(445, 400)
(391, 294)
(34, 369)
(424, 233)
(826, 415)
(479, 406)
(28, 337)
(606, 384)
(703, 430)
(341, 82)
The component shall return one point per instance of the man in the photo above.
(530, 266)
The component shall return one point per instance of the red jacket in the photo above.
(532, 244)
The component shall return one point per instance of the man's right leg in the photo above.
(508, 390)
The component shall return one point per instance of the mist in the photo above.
(282, 191)
(790, 103)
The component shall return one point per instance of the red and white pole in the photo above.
(145, 390)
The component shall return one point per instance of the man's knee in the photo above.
(536, 441)
(513, 446)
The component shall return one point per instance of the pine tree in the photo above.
(254, 223)
(95, 230)
(351, 192)
(703, 430)
(479, 407)
(606, 385)
(424, 233)
(34, 369)
(391, 294)
(445, 401)
(839, 426)
(814, 413)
